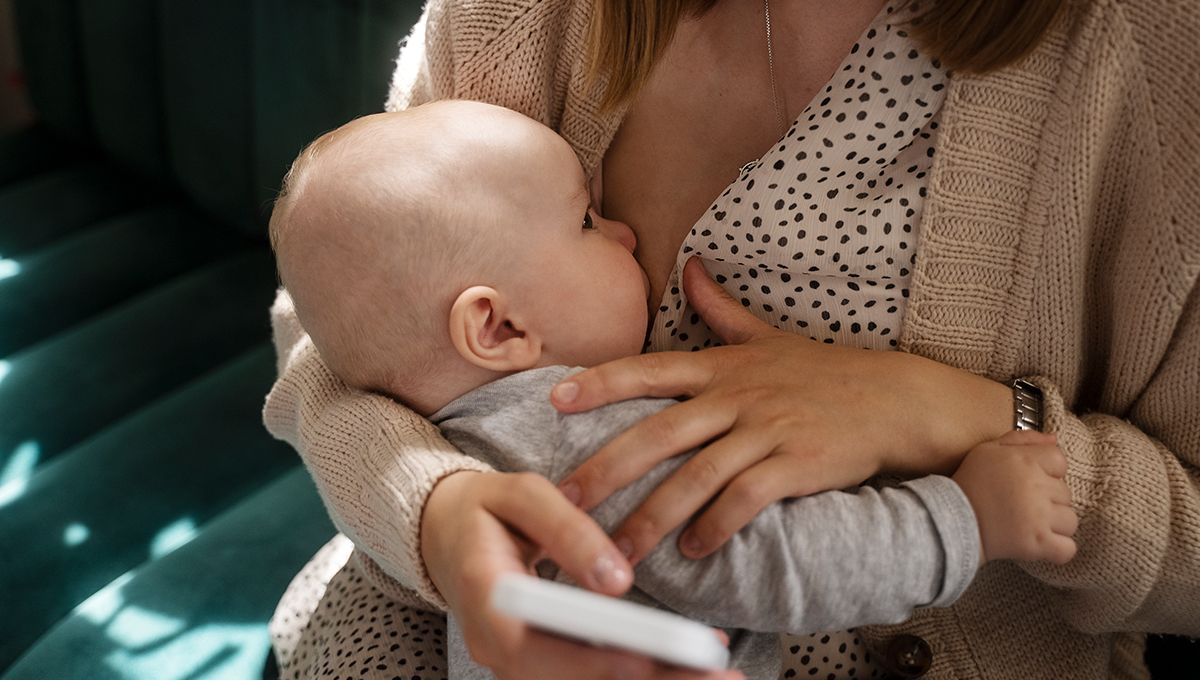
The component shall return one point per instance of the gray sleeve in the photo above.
(824, 562)
(829, 561)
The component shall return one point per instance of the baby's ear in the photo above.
(486, 334)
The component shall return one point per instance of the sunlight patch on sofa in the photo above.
(208, 651)
(17, 471)
(172, 536)
(75, 534)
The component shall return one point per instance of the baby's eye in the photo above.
(587, 221)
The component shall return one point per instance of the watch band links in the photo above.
(1027, 406)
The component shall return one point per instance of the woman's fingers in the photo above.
(724, 315)
(536, 508)
(687, 490)
(738, 504)
(658, 374)
(634, 452)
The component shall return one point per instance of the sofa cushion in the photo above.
(200, 611)
(32, 151)
(38, 210)
(80, 381)
(100, 266)
(133, 491)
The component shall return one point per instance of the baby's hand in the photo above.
(1016, 487)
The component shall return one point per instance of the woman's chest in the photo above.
(700, 118)
(670, 159)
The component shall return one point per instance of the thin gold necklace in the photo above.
(771, 68)
(779, 117)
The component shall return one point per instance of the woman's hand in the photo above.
(477, 526)
(779, 416)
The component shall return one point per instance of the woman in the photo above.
(1035, 215)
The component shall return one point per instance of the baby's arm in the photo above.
(823, 562)
(829, 561)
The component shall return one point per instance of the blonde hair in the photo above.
(626, 38)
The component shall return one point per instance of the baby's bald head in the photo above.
(382, 221)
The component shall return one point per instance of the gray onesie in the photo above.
(829, 561)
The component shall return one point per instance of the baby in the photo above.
(447, 257)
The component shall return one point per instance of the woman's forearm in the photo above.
(951, 412)
(1138, 500)
(374, 462)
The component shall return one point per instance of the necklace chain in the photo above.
(771, 67)
(779, 117)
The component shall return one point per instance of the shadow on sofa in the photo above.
(148, 523)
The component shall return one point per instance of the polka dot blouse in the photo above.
(818, 237)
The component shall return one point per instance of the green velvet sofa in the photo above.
(148, 523)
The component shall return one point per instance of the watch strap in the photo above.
(1027, 406)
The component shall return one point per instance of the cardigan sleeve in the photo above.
(1136, 482)
(374, 461)
(1136, 487)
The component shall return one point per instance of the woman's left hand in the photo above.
(779, 416)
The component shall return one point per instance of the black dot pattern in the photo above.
(818, 236)
(354, 632)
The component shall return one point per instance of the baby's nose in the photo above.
(621, 233)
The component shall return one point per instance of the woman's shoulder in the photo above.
(1157, 27)
(479, 23)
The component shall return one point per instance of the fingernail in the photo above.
(565, 393)
(625, 546)
(690, 545)
(572, 491)
(608, 575)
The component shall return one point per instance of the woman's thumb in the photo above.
(724, 315)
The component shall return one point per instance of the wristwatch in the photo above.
(1027, 406)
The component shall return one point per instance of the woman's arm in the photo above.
(374, 462)
(1136, 487)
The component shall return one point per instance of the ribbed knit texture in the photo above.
(1061, 241)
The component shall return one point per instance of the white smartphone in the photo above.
(609, 622)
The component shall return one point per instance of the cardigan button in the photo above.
(907, 656)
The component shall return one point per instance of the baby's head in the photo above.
(433, 250)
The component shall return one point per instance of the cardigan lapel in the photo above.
(980, 239)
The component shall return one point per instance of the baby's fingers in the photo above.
(1053, 461)
(1057, 549)
(1056, 490)
(1063, 520)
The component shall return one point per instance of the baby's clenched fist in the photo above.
(1022, 503)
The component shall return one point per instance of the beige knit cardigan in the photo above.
(1061, 241)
